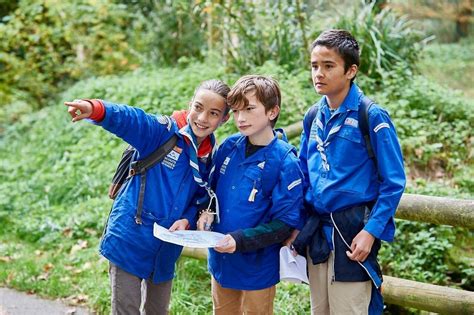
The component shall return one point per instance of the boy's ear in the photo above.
(274, 112)
(352, 71)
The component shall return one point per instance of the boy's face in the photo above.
(253, 121)
(327, 72)
(206, 113)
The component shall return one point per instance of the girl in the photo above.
(173, 185)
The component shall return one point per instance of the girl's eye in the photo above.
(214, 114)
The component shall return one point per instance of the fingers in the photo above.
(226, 245)
(357, 254)
(79, 109)
(179, 225)
(205, 221)
(173, 227)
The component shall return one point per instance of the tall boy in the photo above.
(351, 198)
(258, 183)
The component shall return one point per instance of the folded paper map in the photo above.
(196, 239)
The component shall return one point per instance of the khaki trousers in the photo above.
(335, 297)
(237, 302)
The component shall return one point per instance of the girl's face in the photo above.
(206, 113)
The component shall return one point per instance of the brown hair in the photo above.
(266, 89)
(218, 87)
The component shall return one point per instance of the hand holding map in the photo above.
(196, 239)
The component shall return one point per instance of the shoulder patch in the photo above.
(164, 120)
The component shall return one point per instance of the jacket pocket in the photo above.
(251, 186)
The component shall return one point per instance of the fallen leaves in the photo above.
(81, 244)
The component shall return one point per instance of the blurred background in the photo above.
(417, 61)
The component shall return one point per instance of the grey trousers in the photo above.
(133, 295)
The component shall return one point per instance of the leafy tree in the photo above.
(46, 44)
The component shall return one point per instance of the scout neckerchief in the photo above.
(339, 119)
(187, 131)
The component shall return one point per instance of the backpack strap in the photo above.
(309, 118)
(363, 114)
(141, 166)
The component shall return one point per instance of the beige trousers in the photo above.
(335, 297)
(237, 302)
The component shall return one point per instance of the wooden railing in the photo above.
(412, 294)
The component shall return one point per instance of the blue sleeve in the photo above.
(287, 196)
(143, 131)
(383, 138)
(191, 212)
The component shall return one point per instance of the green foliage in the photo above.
(433, 124)
(255, 32)
(418, 253)
(172, 30)
(439, 59)
(46, 44)
(386, 41)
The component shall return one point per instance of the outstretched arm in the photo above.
(80, 109)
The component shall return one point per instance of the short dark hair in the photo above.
(343, 43)
(266, 90)
(218, 87)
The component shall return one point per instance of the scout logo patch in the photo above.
(171, 158)
(224, 165)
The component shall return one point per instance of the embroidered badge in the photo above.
(171, 158)
(224, 165)
(164, 120)
(261, 165)
(351, 122)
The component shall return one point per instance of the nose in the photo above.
(202, 116)
(239, 116)
(318, 73)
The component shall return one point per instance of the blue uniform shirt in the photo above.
(235, 177)
(338, 171)
(170, 195)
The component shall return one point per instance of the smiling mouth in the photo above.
(200, 126)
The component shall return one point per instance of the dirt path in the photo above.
(18, 303)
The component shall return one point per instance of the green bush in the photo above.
(47, 44)
(386, 40)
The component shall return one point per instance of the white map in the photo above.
(196, 239)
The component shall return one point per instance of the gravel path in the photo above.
(18, 303)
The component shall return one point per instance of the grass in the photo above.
(451, 65)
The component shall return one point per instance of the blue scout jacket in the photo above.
(169, 195)
(338, 171)
(244, 203)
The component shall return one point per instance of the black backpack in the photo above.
(363, 116)
(128, 168)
